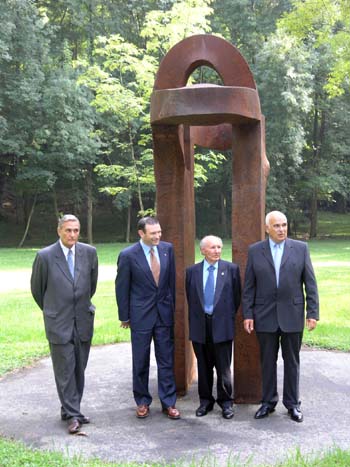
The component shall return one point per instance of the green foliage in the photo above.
(162, 30)
(76, 84)
(284, 76)
(206, 165)
(325, 23)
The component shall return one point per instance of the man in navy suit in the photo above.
(145, 292)
(213, 290)
(278, 270)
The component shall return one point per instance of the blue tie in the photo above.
(277, 260)
(70, 263)
(209, 291)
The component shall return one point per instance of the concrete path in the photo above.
(29, 411)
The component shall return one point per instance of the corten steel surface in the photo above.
(224, 117)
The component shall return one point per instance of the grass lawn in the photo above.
(22, 337)
(15, 454)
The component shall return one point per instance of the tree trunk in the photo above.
(139, 194)
(128, 224)
(28, 222)
(89, 205)
(319, 130)
(55, 206)
(223, 215)
(313, 215)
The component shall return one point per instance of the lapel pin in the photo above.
(222, 273)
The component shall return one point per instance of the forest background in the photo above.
(76, 78)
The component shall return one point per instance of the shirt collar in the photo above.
(206, 264)
(272, 243)
(146, 248)
(65, 249)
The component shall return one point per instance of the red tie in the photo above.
(155, 267)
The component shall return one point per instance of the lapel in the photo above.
(220, 281)
(61, 261)
(140, 259)
(288, 246)
(199, 282)
(78, 262)
(163, 260)
(266, 250)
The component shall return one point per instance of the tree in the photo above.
(23, 48)
(283, 73)
(316, 25)
(122, 80)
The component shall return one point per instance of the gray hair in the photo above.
(206, 238)
(66, 218)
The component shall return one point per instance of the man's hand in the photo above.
(311, 324)
(125, 324)
(248, 325)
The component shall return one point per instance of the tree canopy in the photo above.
(77, 76)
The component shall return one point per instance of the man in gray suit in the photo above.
(64, 278)
(278, 270)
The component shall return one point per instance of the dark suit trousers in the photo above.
(163, 338)
(269, 343)
(210, 355)
(69, 362)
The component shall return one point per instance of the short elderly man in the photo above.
(64, 278)
(213, 289)
(278, 270)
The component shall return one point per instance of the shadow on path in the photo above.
(29, 411)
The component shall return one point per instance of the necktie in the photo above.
(70, 263)
(155, 266)
(277, 260)
(209, 291)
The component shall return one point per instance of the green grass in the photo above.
(331, 224)
(22, 337)
(15, 454)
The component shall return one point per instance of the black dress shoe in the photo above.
(203, 410)
(227, 412)
(84, 420)
(296, 414)
(73, 426)
(264, 411)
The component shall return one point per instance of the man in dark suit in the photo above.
(64, 278)
(278, 270)
(145, 293)
(213, 290)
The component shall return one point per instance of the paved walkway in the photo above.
(29, 411)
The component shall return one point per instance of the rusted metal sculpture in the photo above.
(217, 117)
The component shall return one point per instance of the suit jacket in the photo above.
(283, 306)
(226, 302)
(139, 299)
(62, 299)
